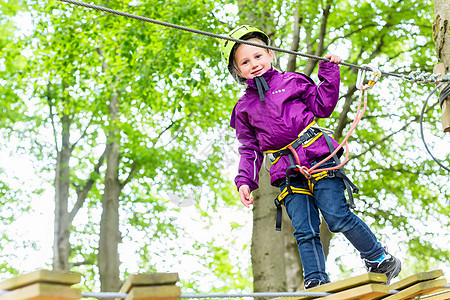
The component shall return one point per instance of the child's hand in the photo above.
(333, 58)
(244, 195)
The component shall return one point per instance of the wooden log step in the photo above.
(419, 289)
(440, 295)
(43, 276)
(156, 286)
(413, 279)
(136, 280)
(43, 291)
(158, 292)
(364, 292)
(345, 284)
(370, 286)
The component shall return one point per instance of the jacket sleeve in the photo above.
(251, 156)
(323, 97)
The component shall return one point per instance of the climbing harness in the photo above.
(307, 137)
(416, 76)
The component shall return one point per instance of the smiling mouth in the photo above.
(257, 72)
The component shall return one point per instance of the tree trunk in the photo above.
(441, 31)
(294, 269)
(256, 13)
(61, 245)
(441, 36)
(108, 252)
(267, 250)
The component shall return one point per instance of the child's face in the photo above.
(252, 61)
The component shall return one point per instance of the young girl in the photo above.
(277, 111)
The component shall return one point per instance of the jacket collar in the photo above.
(260, 83)
(267, 76)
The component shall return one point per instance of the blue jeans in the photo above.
(329, 198)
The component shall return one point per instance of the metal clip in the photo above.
(305, 172)
(372, 78)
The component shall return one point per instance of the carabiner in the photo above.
(372, 78)
(304, 171)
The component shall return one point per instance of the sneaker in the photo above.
(310, 283)
(390, 266)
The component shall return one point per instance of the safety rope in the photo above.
(373, 77)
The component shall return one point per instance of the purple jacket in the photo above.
(291, 103)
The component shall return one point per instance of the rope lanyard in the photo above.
(373, 77)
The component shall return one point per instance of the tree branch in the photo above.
(82, 192)
(312, 63)
(349, 34)
(296, 39)
(84, 133)
(52, 116)
(81, 263)
(343, 120)
(134, 169)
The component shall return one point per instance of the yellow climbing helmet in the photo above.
(227, 46)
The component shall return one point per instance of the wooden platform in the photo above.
(156, 286)
(56, 285)
(42, 285)
(426, 286)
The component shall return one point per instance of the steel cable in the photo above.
(447, 92)
(218, 36)
(104, 295)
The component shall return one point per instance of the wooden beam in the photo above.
(159, 292)
(419, 289)
(58, 277)
(156, 286)
(341, 285)
(445, 295)
(364, 292)
(43, 291)
(413, 279)
(151, 279)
